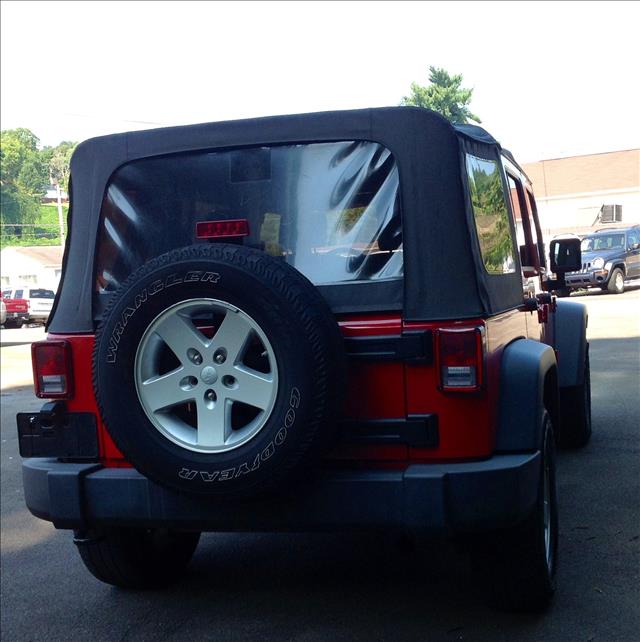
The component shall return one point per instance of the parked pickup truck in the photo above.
(17, 312)
(39, 301)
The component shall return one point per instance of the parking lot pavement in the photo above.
(21, 336)
(356, 586)
(16, 355)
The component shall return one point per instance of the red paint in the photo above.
(84, 399)
(375, 391)
(16, 306)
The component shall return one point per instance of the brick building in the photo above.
(573, 193)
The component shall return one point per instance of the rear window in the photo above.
(331, 210)
(41, 294)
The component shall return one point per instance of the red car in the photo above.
(301, 323)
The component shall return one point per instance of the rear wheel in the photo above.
(575, 405)
(136, 558)
(616, 282)
(519, 563)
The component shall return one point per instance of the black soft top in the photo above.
(444, 274)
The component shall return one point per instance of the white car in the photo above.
(40, 300)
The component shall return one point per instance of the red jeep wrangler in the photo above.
(301, 323)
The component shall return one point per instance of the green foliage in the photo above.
(23, 176)
(16, 206)
(444, 95)
(490, 212)
(58, 159)
(44, 231)
(25, 173)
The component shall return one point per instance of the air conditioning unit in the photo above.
(611, 214)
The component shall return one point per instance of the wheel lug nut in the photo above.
(229, 381)
(220, 356)
(210, 398)
(194, 356)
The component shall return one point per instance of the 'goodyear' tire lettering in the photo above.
(264, 455)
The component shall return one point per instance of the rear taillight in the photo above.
(222, 229)
(52, 371)
(460, 359)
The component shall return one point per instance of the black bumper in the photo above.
(431, 498)
(592, 279)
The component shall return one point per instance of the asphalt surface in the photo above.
(351, 587)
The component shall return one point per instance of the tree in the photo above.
(23, 176)
(444, 95)
(58, 159)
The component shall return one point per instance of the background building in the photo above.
(41, 265)
(573, 193)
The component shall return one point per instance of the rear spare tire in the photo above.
(219, 370)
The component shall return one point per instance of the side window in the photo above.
(491, 215)
(6, 294)
(538, 238)
(632, 239)
(524, 234)
(18, 294)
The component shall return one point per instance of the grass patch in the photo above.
(45, 230)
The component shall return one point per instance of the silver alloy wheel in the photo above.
(208, 394)
(619, 282)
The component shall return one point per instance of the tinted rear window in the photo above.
(41, 294)
(331, 210)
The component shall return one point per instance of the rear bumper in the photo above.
(432, 498)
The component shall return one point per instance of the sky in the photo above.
(550, 79)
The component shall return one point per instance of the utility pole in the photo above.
(60, 216)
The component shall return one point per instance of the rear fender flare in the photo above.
(528, 385)
(570, 332)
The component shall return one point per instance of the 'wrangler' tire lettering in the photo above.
(288, 309)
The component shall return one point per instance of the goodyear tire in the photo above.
(218, 370)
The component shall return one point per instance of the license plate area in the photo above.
(62, 435)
